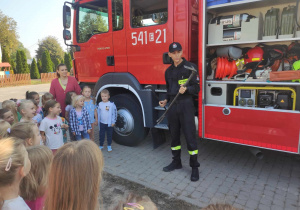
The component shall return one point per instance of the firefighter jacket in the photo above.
(175, 76)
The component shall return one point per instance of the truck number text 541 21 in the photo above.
(145, 37)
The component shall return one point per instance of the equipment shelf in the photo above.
(252, 82)
(245, 4)
(253, 42)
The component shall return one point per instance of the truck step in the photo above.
(160, 90)
(162, 126)
(161, 108)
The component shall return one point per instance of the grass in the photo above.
(36, 81)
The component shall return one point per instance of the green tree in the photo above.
(62, 61)
(19, 67)
(68, 61)
(8, 33)
(20, 47)
(34, 71)
(39, 65)
(5, 55)
(46, 62)
(25, 68)
(56, 62)
(50, 44)
(13, 66)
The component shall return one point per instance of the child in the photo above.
(27, 110)
(107, 117)
(75, 177)
(34, 185)
(69, 97)
(46, 97)
(4, 129)
(136, 202)
(51, 126)
(79, 119)
(14, 165)
(7, 115)
(27, 131)
(89, 105)
(37, 117)
(35, 97)
(11, 105)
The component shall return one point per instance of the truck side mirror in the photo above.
(67, 35)
(66, 16)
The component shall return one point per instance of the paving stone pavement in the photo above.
(228, 174)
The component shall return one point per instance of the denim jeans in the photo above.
(108, 130)
(84, 134)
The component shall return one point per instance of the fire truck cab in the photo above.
(122, 46)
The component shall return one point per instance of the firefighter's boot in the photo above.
(195, 174)
(172, 166)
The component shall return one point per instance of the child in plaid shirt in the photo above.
(80, 119)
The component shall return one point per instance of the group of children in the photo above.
(81, 117)
(30, 136)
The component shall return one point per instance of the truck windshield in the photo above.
(148, 13)
(92, 19)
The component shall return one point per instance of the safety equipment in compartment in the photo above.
(287, 20)
(265, 97)
(229, 52)
(271, 22)
(255, 54)
(225, 68)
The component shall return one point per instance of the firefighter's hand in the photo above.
(163, 103)
(182, 89)
(89, 131)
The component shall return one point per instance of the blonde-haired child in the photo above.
(90, 106)
(33, 186)
(51, 126)
(69, 98)
(12, 106)
(80, 119)
(4, 129)
(75, 177)
(27, 110)
(14, 166)
(136, 202)
(27, 131)
(107, 117)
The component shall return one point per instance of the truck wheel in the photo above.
(129, 129)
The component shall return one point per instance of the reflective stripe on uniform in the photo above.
(195, 152)
(181, 82)
(176, 148)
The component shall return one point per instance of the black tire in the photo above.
(129, 129)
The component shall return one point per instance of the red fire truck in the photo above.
(121, 45)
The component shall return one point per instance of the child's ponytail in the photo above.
(30, 95)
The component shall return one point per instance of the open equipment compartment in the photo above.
(256, 124)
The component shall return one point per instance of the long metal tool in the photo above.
(194, 72)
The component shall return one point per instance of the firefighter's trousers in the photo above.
(182, 115)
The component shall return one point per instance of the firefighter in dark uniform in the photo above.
(182, 113)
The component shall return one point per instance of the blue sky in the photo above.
(36, 19)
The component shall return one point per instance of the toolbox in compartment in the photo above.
(235, 28)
